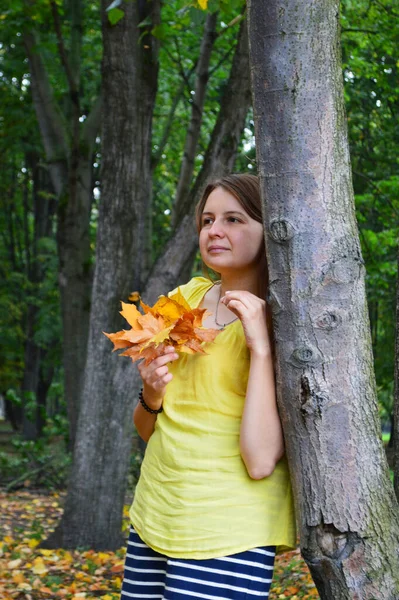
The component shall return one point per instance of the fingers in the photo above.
(239, 301)
(245, 297)
(156, 375)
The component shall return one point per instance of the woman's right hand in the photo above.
(156, 376)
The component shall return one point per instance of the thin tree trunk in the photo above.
(346, 506)
(395, 429)
(194, 128)
(30, 377)
(69, 155)
(42, 212)
(74, 279)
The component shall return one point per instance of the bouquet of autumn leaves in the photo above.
(170, 322)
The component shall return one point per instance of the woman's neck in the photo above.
(246, 281)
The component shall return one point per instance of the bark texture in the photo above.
(395, 433)
(346, 506)
(94, 505)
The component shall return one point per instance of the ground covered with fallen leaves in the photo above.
(30, 573)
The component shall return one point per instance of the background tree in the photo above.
(325, 377)
(68, 136)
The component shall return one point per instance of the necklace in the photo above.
(221, 325)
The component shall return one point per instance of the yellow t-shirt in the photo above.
(194, 498)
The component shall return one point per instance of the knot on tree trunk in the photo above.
(313, 401)
(327, 542)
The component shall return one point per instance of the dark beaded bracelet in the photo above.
(146, 407)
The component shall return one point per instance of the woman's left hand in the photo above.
(251, 310)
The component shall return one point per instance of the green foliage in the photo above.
(370, 37)
(42, 463)
(115, 15)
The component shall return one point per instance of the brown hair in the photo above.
(246, 189)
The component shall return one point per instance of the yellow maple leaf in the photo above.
(158, 338)
(171, 321)
(39, 568)
(131, 314)
(170, 308)
(180, 299)
(18, 577)
(203, 4)
(8, 539)
(68, 557)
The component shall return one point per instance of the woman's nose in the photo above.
(216, 229)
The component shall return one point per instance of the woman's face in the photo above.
(230, 240)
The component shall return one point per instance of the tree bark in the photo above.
(395, 429)
(346, 506)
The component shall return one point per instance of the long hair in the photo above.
(246, 189)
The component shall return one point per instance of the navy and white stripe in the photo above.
(148, 574)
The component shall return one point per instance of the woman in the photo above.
(213, 503)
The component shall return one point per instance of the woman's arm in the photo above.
(261, 436)
(155, 378)
(144, 421)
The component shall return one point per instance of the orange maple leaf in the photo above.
(170, 322)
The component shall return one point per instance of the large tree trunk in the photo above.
(94, 504)
(346, 506)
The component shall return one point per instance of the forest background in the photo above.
(196, 51)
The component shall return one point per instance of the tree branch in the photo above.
(353, 30)
(91, 125)
(72, 83)
(194, 129)
(51, 124)
(168, 125)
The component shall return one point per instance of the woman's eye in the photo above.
(206, 221)
(233, 220)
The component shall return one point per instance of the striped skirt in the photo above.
(149, 574)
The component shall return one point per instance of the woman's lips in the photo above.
(217, 249)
